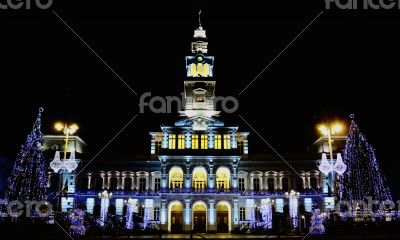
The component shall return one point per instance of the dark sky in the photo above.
(345, 62)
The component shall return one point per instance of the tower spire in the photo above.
(200, 18)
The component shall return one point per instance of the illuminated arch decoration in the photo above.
(225, 206)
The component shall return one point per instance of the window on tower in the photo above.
(204, 141)
(199, 97)
(227, 141)
(217, 141)
(172, 141)
(181, 141)
(195, 141)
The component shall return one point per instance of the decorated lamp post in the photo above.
(105, 202)
(333, 167)
(66, 164)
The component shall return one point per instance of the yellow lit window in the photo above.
(200, 69)
(172, 141)
(206, 70)
(195, 141)
(181, 141)
(204, 141)
(193, 70)
(227, 141)
(217, 141)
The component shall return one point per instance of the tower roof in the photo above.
(199, 32)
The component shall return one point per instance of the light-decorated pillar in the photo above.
(234, 180)
(188, 180)
(164, 215)
(165, 140)
(211, 178)
(211, 140)
(188, 216)
(164, 178)
(233, 140)
(188, 140)
(212, 216)
(235, 213)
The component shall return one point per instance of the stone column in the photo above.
(234, 176)
(211, 178)
(235, 214)
(233, 140)
(211, 140)
(212, 216)
(187, 220)
(164, 215)
(165, 140)
(188, 180)
(164, 178)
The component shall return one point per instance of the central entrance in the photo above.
(199, 217)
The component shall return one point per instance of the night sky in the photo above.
(345, 62)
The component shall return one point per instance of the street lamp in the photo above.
(325, 167)
(66, 164)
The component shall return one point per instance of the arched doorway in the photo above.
(175, 220)
(223, 176)
(223, 217)
(175, 178)
(199, 179)
(199, 217)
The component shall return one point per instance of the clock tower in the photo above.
(200, 85)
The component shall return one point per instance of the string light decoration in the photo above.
(363, 177)
(28, 179)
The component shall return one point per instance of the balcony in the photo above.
(200, 152)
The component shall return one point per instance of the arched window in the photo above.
(175, 178)
(199, 177)
(223, 178)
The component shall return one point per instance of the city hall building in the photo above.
(197, 173)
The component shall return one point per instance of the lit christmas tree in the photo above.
(363, 177)
(28, 179)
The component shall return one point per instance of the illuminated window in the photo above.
(217, 141)
(156, 214)
(200, 69)
(181, 141)
(199, 97)
(195, 141)
(193, 70)
(172, 141)
(206, 70)
(242, 215)
(204, 141)
(227, 141)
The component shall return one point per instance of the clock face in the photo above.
(199, 58)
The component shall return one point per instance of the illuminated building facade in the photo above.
(199, 174)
